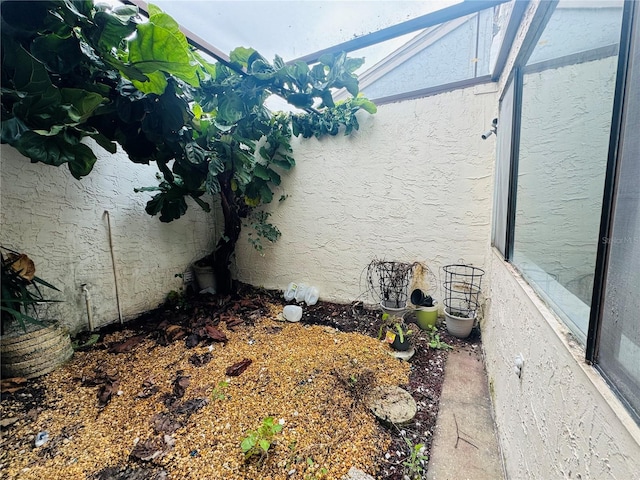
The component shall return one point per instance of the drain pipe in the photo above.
(87, 301)
(113, 264)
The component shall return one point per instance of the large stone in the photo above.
(392, 404)
(357, 474)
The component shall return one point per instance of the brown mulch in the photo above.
(173, 393)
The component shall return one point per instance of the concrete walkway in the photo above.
(465, 445)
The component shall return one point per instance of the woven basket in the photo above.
(34, 353)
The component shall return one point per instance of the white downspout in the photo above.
(87, 300)
(113, 264)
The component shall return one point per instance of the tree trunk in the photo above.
(226, 246)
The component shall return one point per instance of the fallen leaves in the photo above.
(153, 449)
(237, 368)
(126, 345)
(12, 385)
(214, 333)
(200, 360)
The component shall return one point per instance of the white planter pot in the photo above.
(205, 277)
(394, 312)
(459, 327)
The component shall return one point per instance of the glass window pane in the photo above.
(619, 352)
(565, 126)
(503, 169)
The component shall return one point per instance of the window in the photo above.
(574, 115)
(618, 350)
(568, 86)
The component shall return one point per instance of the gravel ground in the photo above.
(173, 394)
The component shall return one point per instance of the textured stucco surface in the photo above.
(559, 420)
(60, 223)
(414, 183)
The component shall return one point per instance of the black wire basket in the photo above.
(462, 288)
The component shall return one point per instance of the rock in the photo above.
(357, 474)
(392, 404)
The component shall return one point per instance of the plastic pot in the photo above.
(426, 317)
(457, 326)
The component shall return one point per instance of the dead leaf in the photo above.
(149, 450)
(126, 345)
(5, 422)
(105, 393)
(175, 332)
(117, 473)
(192, 340)
(200, 360)
(231, 320)
(239, 367)
(149, 388)
(12, 385)
(165, 423)
(214, 333)
(180, 384)
(191, 406)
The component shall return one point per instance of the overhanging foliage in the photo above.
(73, 70)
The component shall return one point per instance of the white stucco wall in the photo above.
(560, 419)
(413, 184)
(60, 223)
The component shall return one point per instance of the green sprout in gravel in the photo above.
(258, 442)
(414, 466)
(434, 340)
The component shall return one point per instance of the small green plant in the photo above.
(21, 294)
(258, 442)
(219, 393)
(391, 322)
(317, 474)
(434, 340)
(414, 465)
(263, 229)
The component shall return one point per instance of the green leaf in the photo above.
(241, 55)
(264, 444)
(114, 26)
(83, 161)
(261, 171)
(248, 443)
(80, 103)
(59, 54)
(163, 48)
(154, 82)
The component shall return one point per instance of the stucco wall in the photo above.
(560, 419)
(60, 223)
(414, 183)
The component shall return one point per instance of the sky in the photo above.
(295, 28)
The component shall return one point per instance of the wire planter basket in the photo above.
(462, 288)
(389, 282)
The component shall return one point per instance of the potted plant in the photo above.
(396, 333)
(426, 309)
(389, 283)
(462, 287)
(29, 346)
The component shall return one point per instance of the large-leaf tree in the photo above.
(73, 70)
